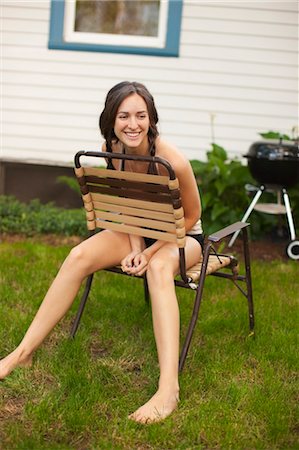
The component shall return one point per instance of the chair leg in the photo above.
(190, 331)
(196, 307)
(82, 305)
(146, 291)
(248, 280)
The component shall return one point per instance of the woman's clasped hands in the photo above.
(135, 263)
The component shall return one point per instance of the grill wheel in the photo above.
(292, 250)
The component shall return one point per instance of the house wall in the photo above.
(237, 67)
(27, 181)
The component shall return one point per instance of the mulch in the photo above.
(265, 249)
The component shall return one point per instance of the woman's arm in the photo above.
(136, 263)
(137, 243)
(129, 263)
(189, 193)
(188, 186)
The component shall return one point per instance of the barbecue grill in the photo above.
(275, 165)
(271, 163)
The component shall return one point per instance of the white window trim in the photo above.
(70, 35)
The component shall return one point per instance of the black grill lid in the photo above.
(274, 163)
(274, 150)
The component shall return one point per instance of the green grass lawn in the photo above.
(236, 392)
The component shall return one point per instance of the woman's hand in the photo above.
(135, 263)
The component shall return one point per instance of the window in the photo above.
(149, 27)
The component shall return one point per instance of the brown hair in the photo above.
(114, 98)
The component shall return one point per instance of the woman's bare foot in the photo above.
(13, 360)
(160, 406)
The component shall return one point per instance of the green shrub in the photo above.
(221, 183)
(34, 217)
(71, 182)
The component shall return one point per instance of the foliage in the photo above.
(221, 183)
(71, 182)
(222, 187)
(275, 135)
(35, 217)
(281, 136)
(236, 392)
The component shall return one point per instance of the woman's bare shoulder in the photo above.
(172, 154)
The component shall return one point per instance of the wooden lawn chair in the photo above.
(150, 206)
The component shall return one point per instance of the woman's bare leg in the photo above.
(165, 313)
(101, 250)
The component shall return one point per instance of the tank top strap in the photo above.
(152, 168)
(122, 163)
(110, 166)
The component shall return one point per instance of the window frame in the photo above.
(167, 44)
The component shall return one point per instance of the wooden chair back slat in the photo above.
(124, 184)
(101, 172)
(146, 213)
(138, 221)
(131, 193)
(135, 203)
(123, 228)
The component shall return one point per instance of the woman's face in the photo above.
(132, 123)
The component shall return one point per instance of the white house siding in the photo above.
(237, 63)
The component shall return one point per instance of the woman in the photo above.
(129, 124)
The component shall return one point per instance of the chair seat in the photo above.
(215, 263)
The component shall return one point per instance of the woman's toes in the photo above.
(156, 409)
(11, 361)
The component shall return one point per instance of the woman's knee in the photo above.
(159, 270)
(78, 259)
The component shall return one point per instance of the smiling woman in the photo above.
(129, 104)
(128, 124)
(150, 27)
(132, 123)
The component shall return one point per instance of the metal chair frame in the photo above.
(128, 187)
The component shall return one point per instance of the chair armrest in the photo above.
(224, 232)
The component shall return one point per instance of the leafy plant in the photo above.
(71, 182)
(35, 217)
(275, 135)
(221, 183)
(279, 136)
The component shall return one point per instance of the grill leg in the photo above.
(289, 214)
(248, 212)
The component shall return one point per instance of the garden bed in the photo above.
(262, 249)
